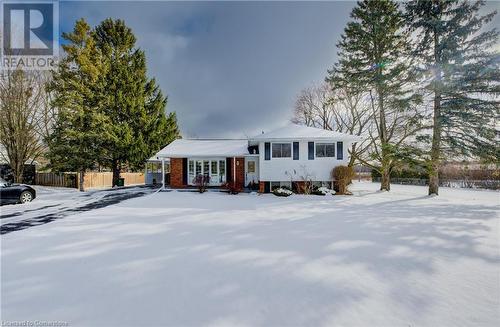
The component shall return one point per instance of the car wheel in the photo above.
(26, 197)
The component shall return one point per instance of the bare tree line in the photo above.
(26, 118)
(337, 110)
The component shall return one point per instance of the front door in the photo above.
(251, 170)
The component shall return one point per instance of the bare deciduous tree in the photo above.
(26, 117)
(337, 110)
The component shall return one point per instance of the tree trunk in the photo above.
(18, 171)
(385, 182)
(352, 159)
(81, 175)
(116, 172)
(435, 150)
(433, 167)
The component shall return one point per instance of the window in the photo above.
(274, 185)
(222, 171)
(214, 167)
(222, 167)
(340, 150)
(251, 166)
(190, 170)
(284, 184)
(325, 150)
(267, 151)
(310, 150)
(282, 150)
(206, 165)
(295, 150)
(198, 168)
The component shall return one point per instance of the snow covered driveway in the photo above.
(187, 259)
(54, 203)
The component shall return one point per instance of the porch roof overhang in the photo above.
(205, 148)
(155, 158)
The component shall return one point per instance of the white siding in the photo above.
(319, 168)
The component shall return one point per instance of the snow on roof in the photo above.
(297, 132)
(204, 148)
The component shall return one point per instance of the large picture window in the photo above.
(325, 150)
(282, 150)
(216, 169)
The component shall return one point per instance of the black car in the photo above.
(15, 193)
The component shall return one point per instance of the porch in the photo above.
(221, 161)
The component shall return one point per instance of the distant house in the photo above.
(286, 156)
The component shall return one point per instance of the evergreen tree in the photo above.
(374, 58)
(76, 143)
(461, 72)
(133, 103)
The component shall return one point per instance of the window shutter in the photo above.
(310, 150)
(340, 150)
(295, 150)
(267, 151)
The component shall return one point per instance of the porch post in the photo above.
(234, 171)
(163, 173)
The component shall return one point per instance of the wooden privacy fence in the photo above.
(104, 180)
(91, 180)
(57, 179)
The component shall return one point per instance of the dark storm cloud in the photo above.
(229, 69)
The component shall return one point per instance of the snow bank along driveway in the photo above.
(185, 259)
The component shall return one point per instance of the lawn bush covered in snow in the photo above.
(281, 191)
(323, 191)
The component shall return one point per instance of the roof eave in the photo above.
(193, 155)
(353, 138)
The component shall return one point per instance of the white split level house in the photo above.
(286, 156)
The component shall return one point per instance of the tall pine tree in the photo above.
(461, 74)
(374, 58)
(80, 131)
(134, 103)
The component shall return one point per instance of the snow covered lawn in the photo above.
(188, 259)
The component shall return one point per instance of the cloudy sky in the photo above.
(229, 69)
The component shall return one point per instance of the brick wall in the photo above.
(176, 173)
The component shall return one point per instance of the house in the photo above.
(286, 156)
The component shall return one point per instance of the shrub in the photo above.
(253, 186)
(323, 191)
(446, 172)
(282, 191)
(201, 182)
(232, 188)
(342, 176)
